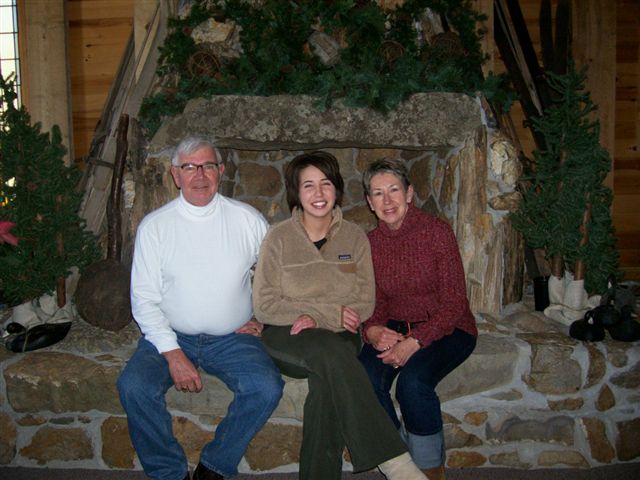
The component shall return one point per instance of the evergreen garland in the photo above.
(276, 58)
(43, 203)
(566, 208)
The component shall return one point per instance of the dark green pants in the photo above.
(340, 409)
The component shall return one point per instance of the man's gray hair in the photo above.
(192, 144)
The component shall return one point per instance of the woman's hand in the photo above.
(383, 338)
(302, 323)
(400, 353)
(350, 319)
(252, 327)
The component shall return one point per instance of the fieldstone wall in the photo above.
(528, 397)
(463, 170)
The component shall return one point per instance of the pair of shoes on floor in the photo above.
(401, 468)
(203, 473)
(435, 473)
(615, 314)
(621, 326)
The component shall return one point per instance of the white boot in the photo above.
(401, 468)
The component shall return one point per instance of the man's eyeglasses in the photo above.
(192, 168)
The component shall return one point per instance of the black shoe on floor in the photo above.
(203, 473)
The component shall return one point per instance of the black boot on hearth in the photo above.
(588, 329)
(627, 329)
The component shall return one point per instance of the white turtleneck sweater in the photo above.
(191, 269)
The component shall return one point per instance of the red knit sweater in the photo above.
(420, 278)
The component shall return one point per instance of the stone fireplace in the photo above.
(528, 397)
(463, 170)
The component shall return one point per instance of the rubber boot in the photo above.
(401, 468)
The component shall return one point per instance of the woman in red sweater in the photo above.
(422, 327)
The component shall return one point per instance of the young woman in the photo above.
(313, 287)
(422, 327)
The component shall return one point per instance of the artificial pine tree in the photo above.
(566, 207)
(43, 203)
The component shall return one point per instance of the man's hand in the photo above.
(184, 375)
(302, 323)
(383, 338)
(252, 327)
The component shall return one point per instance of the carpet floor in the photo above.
(623, 471)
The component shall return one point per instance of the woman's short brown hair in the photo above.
(323, 161)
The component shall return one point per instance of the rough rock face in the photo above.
(102, 297)
(61, 382)
(7, 439)
(523, 399)
(52, 443)
(282, 122)
(462, 170)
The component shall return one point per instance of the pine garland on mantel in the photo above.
(382, 54)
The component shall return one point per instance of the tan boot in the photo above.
(435, 473)
(401, 468)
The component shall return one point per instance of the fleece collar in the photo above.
(336, 220)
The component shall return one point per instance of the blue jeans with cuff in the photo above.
(238, 360)
(416, 389)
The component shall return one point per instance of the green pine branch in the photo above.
(567, 182)
(276, 56)
(43, 203)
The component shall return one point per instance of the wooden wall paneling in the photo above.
(44, 54)
(98, 34)
(626, 214)
(594, 44)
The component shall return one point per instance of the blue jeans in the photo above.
(417, 380)
(238, 360)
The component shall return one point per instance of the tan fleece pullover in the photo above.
(293, 277)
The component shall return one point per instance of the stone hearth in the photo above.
(528, 397)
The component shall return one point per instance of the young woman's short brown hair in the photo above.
(323, 161)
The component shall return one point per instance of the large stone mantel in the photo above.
(426, 121)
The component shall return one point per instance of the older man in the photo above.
(191, 297)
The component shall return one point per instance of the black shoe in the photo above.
(588, 329)
(203, 473)
(607, 315)
(38, 336)
(627, 329)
